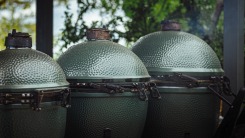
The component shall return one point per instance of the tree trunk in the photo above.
(215, 18)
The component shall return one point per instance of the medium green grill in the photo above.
(33, 91)
(108, 89)
(188, 74)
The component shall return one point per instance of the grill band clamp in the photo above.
(217, 84)
(60, 96)
(141, 88)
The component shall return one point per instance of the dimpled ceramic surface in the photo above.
(182, 112)
(91, 113)
(101, 59)
(27, 68)
(167, 51)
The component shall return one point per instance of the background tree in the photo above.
(75, 31)
(201, 18)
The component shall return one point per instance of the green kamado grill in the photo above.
(189, 78)
(33, 91)
(108, 88)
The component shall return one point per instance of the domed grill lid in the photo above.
(101, 60)
(24, 69)
(178, 59)
(171, 50)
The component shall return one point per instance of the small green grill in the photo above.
(188, 75)
(108, 88)
(33, 91)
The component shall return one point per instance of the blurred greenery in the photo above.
(203, 18)
(13, 19)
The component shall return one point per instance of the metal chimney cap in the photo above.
(18, 40)
(98, 34)
(170, 25)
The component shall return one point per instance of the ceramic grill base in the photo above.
(182, 113)
(23, 122)
(91, 113)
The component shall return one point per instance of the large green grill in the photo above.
(107, 81)
(33, 89)
(188, 75)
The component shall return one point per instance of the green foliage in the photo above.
(74, 31)
(144, 16)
